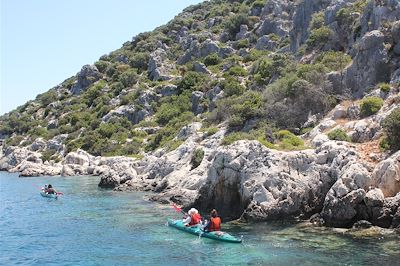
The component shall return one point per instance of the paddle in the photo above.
(177, 209)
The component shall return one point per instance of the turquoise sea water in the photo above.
(93, 226)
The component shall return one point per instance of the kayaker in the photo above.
(215, 222)
(193, 218)
(50, 190)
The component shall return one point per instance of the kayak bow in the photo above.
(53, 196)
(196, 230)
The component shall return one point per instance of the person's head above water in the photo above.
(49, 186)
(214, 213)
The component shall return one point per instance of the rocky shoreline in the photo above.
(245, 180)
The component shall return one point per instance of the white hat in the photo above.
(193, 210)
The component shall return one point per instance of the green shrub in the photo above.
(317, 21)
(236, 71)
(102, 65)
(232, 87)
(244, 43)
(233, 137)
(192, 81)
(289, 141)
(384, 144)
(266, 68)
(232, 24)
(140, 61)
(212, 59)
(47, 154)
(258, 4)
(391, 126)
(93, 92)
(209, 131)
(334, 61)
(197, 158)
(172, 107)
(384, 87)
(338, 134)
(254, 55)
(319, 37)
(47, 97)
(128, 77)
(14, 141)
(370, 106)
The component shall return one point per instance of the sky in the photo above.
(44, 42)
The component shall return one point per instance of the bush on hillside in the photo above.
(232, 87)
(192, 81)
(317, 20)
(384, 87)
(197, 158)
(212, 59)
(338, 134)
(391, 126)
(319, 37)
(334, 61)
(232, 24)
(370, 106)
(289, 141)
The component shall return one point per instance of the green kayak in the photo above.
(53, 196)
(196, 230)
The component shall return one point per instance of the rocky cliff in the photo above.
(264, 110)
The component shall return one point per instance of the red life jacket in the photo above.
(215, 224)
(195, 219)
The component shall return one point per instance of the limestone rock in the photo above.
(88, 75)
(158, 68)
(201, 68)
(197, 107)
(134, 114)
(265, 43)
(386, 175)
(369, 65)
(374, 198)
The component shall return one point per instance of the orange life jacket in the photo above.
(195, 219)
(215, 224)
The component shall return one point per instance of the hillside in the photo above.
(264, 109)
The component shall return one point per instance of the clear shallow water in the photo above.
(92, 226)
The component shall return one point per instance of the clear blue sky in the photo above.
(43, 42)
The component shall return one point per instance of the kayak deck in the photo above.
(196, 230)
(52, 196)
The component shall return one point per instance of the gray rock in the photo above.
(353, 112)
(197, 107)
(243, 33)
(369, 65)
(52, 124)
(374, 198)
(133, 114)
(80, 157)
(38, 144)
(88, 75)
(386, 175)
(167, 90)
(265, 43)
(158, 68)
(396, 32)
(201, 68)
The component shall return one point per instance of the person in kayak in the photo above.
(193, 218)
(50, 190)
(215, 222)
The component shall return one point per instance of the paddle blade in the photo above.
(176, 208)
